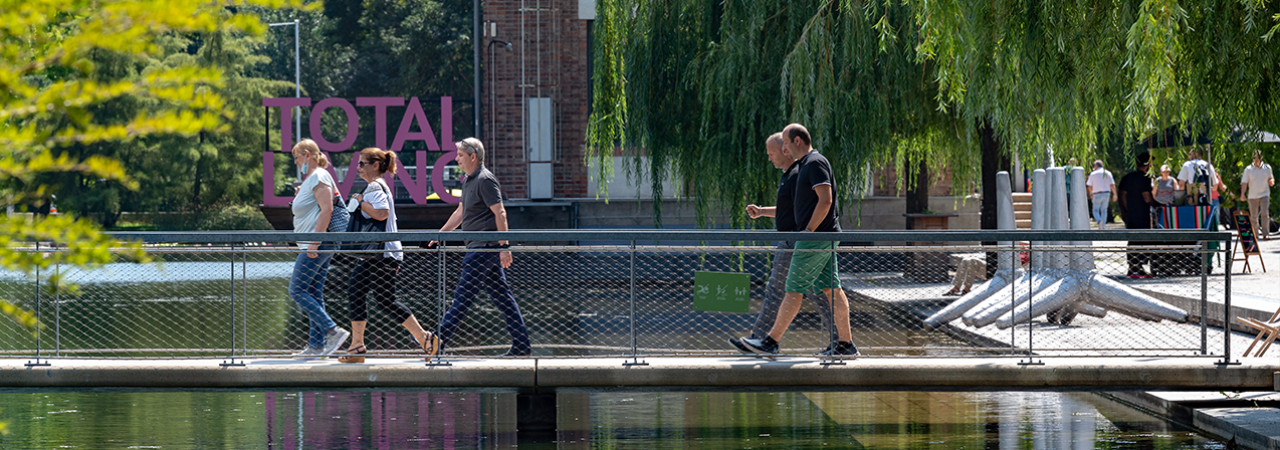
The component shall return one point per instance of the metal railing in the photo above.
(621, 293)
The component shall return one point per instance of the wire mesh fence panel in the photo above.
(1114, 301)
(892, 288)
(560, 301)
(667, 322)
(605, 299)
(178, 306)
(19, 289)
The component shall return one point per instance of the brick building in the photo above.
(536, 93)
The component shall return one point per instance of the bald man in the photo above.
(814, 205)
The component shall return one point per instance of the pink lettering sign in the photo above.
(413, 116)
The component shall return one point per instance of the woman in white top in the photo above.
(313, 213)
(378, 273)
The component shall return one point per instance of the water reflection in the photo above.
(386, 420)
(421, 420)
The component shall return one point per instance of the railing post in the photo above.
(831, 360)
(39, 320)
(1205, 259)
(1226, 305)
(57, 308)
(244, 300)
(438, 360)
(1031, 310)
(231, 359)
(635, 353)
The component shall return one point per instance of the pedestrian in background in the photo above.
(481, 210)
(1255, 188)
(1165, 186)
(377, 273)
(314, 212)
(1101, 187)
(1071, 164)
(1136, 201)
(1197, 178)
(784, 220)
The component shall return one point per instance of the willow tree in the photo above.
(697, 85)
(912, 79)
(1065, 75)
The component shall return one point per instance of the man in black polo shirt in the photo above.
(481, 210)
(785, 220)
(814, 204)
(1136, 201)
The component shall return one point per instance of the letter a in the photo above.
(413, 113)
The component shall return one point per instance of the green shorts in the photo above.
(813, 271)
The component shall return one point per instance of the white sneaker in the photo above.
(334, 339)
(307, 354)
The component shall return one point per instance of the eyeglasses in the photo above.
(365, 163)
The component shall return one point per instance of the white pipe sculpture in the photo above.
(1063, 283)
(1005, 266)
(1018, 291)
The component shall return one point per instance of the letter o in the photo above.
(353, 124)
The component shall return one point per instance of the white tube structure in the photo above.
(1039, 213)
(1055, 296)
(1112, 294)
(1090, 310)
(1038, 282)
(964, 304)
(1058, 215)
(1004, 273)
(1082, 261)
(1004, 295)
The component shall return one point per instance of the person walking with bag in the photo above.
(314, 212)
(376, 212)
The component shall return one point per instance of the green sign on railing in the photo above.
(722, 291)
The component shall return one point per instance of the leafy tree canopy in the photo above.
(698, 84)
(60, 62)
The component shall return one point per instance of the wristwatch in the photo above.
(504, 245)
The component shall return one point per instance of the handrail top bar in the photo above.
(678, 235)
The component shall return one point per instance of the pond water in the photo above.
(431, 420)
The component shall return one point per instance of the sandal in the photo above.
(431, 346)
(354, 355)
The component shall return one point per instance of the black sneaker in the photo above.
(826, 349)
(842, 349)
(763, 346)
(737, 343)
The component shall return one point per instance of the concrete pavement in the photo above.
(722, 373)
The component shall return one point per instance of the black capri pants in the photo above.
(377, 275)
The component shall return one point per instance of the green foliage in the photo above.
(79, 88)
(241, 217)
(891, 82)
(194, 174)
(737, 72)
(1069, 75)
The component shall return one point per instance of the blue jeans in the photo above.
(484, 270)
(1101, 203)
(306, 287)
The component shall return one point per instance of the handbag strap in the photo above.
(390, 203)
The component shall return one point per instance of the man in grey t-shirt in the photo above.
(481, 210)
